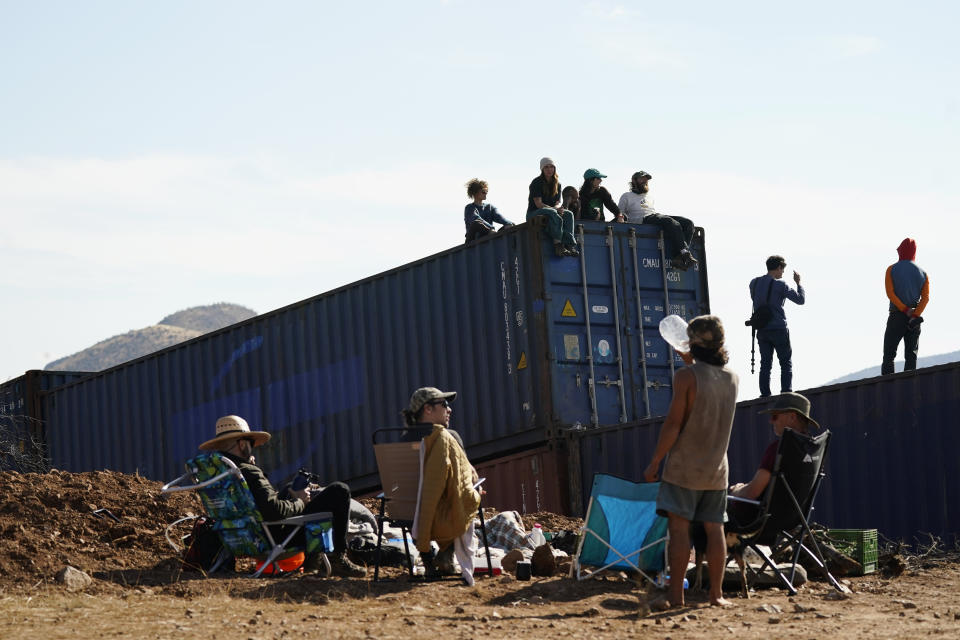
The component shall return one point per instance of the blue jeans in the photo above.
(770, 340)
(559, 225)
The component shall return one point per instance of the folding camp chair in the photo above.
(622, 529)
(238, 523)
(399, 467)
(783, 513)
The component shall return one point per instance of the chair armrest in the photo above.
(172, 486)
(304, 519)
(739, 499)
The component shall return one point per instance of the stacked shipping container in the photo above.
(533, 343)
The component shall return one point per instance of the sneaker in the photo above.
(680, 262)
(342, 566)
(559, 250)
(571, 250)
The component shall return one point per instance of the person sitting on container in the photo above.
(236, 441)
(593, 198)
(637, 206)
(544, 200)
(429, 408)
(479, 217)
(571, 200)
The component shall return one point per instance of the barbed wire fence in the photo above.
(20, 448)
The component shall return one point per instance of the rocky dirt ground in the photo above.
(140, 590)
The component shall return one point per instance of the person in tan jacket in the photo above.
(448, 497)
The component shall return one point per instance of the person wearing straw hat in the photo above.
(789, 411)
(235, 440)
(694, 440)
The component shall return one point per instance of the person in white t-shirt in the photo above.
(637, 206)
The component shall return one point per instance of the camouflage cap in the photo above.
(706, 332)
(424, 395)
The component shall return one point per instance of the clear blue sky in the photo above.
(160, 155)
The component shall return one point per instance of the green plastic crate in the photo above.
(859, 544)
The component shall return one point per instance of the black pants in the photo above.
(677, 232)
(898, 329)
(477, 230)
(334, 498)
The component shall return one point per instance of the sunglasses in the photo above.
(444, 403)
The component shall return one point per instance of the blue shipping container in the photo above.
(894, 450)
(533, 343)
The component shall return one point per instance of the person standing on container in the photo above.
(593, 198)
(770, 291)
(479, 217)
(236, 441)
(908, 289)
(544, 200)
(636, 206)
(694, 440)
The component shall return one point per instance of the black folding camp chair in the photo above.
(783, 514)
(399, 465)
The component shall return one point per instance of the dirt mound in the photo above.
(97, 522)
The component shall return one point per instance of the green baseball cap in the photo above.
(589, 174)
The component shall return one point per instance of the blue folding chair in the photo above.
(242, 531)
(622, 530)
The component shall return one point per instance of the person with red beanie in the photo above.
(908, 289)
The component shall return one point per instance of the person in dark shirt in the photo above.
(571, 200)
(771, 291)
(789, 411)
(544, 200)
(236, 441)
(593, 198)
(479, 217)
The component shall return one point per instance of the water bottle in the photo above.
(536, 536)
(673, 329)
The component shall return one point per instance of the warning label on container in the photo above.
(523, 361)
(568, 311)
(571, 346)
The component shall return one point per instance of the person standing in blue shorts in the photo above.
(694, 440)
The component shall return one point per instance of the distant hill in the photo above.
(175, 328)
(927, 361)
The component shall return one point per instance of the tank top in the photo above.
(698, 459)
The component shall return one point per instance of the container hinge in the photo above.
(579, 381)
(656, 384)
(606, 241)
(632, 241)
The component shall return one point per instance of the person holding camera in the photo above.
(908, 289)
(235, 440)
(769, 293)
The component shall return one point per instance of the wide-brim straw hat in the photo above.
(232, 427)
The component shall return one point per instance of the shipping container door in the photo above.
(654, 289)
(585, 317)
